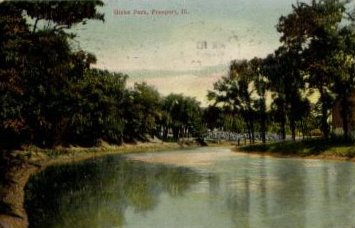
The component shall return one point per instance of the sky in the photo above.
(181, 46)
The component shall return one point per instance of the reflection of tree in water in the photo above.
(96, 193)
(257, 196)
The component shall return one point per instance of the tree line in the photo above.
(316, 56)
(51, 95)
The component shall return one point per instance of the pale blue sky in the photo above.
(182, 53)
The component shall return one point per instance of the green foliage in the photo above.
(12, 42)
(316, 54)
(39, 70)
(142, 111)
(242, 94)
(322, 32)
(183, 117)
(97, 105)
(51, 96)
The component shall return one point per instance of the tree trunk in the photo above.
(324, 117)
(283, 129)
(303, 130)
(263, 131)
(252, 131)
(165, 132)
(344, 116)
(176, 133)
(263, 127)
(293, 128)
(249, 131)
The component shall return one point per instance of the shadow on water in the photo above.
(97, 193)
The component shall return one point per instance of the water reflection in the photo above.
(97, 193)
(231, 190)
(271, 192)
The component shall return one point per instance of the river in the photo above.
(193, 188)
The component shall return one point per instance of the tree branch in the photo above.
(35, 25)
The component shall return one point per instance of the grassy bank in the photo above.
(337, 148)
(62, 154)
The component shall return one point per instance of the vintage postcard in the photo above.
(177, 114)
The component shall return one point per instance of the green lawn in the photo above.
(333, 146)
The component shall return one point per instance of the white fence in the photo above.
(231, 136)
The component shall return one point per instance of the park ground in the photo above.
(318, 148)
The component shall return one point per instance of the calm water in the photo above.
(199, 188)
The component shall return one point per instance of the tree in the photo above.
(319, 31)
(96, 109)
(173, 106)
(343, 75)
(59, 15)
(235, 92)
(13, 38)
(184, 116)
(287, 84)
(262, 85)
(212, 115)
(142, 111)
(39, 65)
(192, 118)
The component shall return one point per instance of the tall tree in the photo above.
(184, 115)
(38, 63)
(14, 35)
(142, 112)
(287, 84)
(317, 30)
(96, 109)
(235, 92)
(261, 84)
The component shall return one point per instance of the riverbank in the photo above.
(328, 149)
(18, 166)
